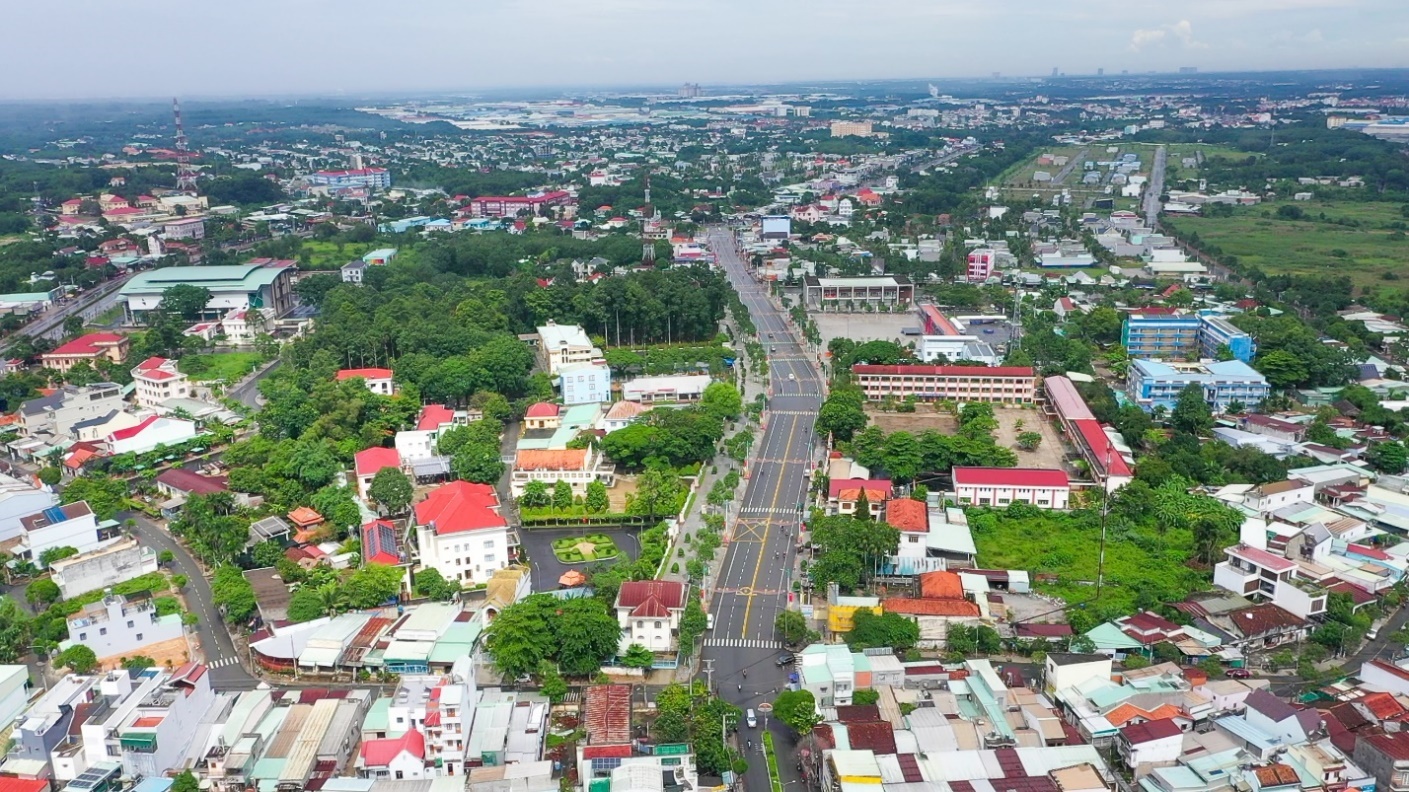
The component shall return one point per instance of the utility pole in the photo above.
(709, 673)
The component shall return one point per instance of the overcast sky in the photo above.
(101, 48)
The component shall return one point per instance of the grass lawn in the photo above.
(1067, 546)
(578, 549)
(323, 255)
(227, 366)
(1311, 246)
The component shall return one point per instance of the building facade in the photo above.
(562, 345)
(649, 613)
(994, 384)
(585, 383)
(91, 349)
(157, 379)
(843, 293)
(460, 533)
(681, 388)
(998, 487)
(1184, 337)
(373, 178)
(118, 627)
(1151, 383)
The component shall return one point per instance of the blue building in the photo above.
(586, 383)
(1151, 383)
(358, 177)
(1184, 337)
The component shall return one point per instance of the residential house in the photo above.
(1251, 572)
(1386, 757)
(1043, 488)
(561, 345)
(542, 415)
(681, 388)
(376, 380)
(399, 758)
(621, 415)
(1156, 743)
(157, 733)
(151, 432)
(157, 379)
(1275, 428)
(941, 604)
(91, 349)
(843, 495)
(460, 533)
(1063, 670)
(368, 462)
(102, 568)
(1265, 626)
(577, 466)
(434, 421)
(353, 271)
(116, 627)
(649, 612)
(183, 483)
(19, 499)
(71, 525)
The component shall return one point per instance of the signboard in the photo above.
(777, 226)
(765, 707)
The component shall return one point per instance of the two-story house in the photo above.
(157, 379)
(91, 349)
(649, 613)
(54, 415)
(368, 462)
(460, 533)
(843, 495)
(420, 444)
(577, 466)
(71, 525)
(376, 380)
(116, 627)
(1251, 572)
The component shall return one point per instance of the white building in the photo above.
(353, 271)
(107, 566)
(441, 708)
(114, 627)
(621, 415)
(401, 758)
(19, 499)
(1062, 670)
(649, 613)
(153, 431)
(243, 326)
(157, 379)
(367, 463)
(653, 390)
(1156, 743)
(158, 732)
(1251, 572)
(460, 533)
(560, 345)
(577, 466)
(585, 383)
(72, 525)
(377, 380)
(56, 413)
(998, 487)
(435, 420)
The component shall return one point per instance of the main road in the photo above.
(754, 582)
(1155, 188)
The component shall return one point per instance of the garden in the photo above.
(580, 549)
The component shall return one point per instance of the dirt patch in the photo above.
(1013, 421)
(863, 327)
(616, 496)
(168, 654)
(925, 418)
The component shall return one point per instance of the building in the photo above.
(577, 466)
(56, 414)
(680, 388)
(366, 178)
(1152, 383)
(92, 349)
(399, 758)
(1080, 426)
(19, 499)
(460, 533)
(1255, 573)
(152, 431)
(379, 257)
(71, 525)
(649, 613)
(585, 383)
(440, 709)
(997, 487)
(116, 627)
(266, 284)
(856, 128)
(155, 732)
(775, 228)
(1184, 337)
(435, 420)
(157, 379)
(368, 462)
(353, 271)
(102, 568)
(513, 206)
(377, 380)
(185, 228)
(1156, 743)
(561, 345)
(854, 293)
(844, 495)
(1062, 670)
(1386, 757)
(994, 384)
(981, 264)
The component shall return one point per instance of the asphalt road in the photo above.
(1155, 188)
(247, 392)
(227, 671)
(755, 579)
(89, 305)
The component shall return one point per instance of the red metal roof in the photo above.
(1010, 477)
(541, 410)
(434, 416)
(651, 598)
(133, 431)
(90, 344)
(11, 784)
(371, 460)
(1150, 731)
(379, 753)
(944, 371)
(1065, 397)
(460, 506)
(608, 718)
(1102, 447)
(364, 373)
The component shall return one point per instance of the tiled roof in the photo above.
(434, 416)
(1161, 729)
(380, 753)
(184, 480)
(1262, 619)
(90, 344)
(877, 736)
(551, 459)
(1276, 775)
(1009, 477)
(941, 585)
(608, 718)
(930, 607)
(460, 506)
(652, 599)
(364, 373)
(1127, 712)
(1042, 630)
(542, 410)
(908, 514)
(371, 460)
(850, 489)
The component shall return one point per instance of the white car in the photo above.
(751, 719)
(709, 621)
(792, 378)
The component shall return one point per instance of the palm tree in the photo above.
(330, 597)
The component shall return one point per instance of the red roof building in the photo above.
(90, 348)
(980, 486)
(379, 544)
(844, 494)
(458, 507)
(443, 521)
(908, 515)
(377, 380)
(608, 718)
(409, 748)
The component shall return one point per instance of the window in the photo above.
(398, 774)
(102, 631)
(130, 624)
(400, 720)
(489, 544)
(139, 636)
(83, 636)
(657, 625)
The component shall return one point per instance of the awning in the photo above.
(139, 741)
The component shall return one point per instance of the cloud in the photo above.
(1183, 31)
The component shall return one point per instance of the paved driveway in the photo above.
(538, 543)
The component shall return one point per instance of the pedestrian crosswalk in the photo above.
(766, 510)
(222, 662)
(743, 643)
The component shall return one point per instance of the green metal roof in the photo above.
(229, 277)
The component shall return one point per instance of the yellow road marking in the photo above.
(758, 566)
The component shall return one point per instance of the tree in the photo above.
(430, 583)
(841, 415)
(77, 658)
(797, 709)
(372, 585)
(1282, 368)
(588, 634)
(552, 684)
(535, 495)
(791, 627)
(391, 489)
(1388, 457)
(638, 656)
(1029, 441)
(56, 554)
(723, 400)
(1191, 414)
(902, 457)
(165, 557)
(521, 638)
(185, 300)
(306, 604)
(849, 549)
(104, 495)
(42, 592)
(693, 623)
(185, 782)
(137, 662)
(49, 476)
(265, 554)
(658, 492)
(562, 496)
(233, 593)
(596, 501)
(885, 630)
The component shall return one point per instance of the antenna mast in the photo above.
(185, 174)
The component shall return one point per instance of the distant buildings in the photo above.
(267, 285)
(374, 178)
(512, 206)
(1152, 384)
(995, 384)
(377, 380)
(1186, 337)
(852, 128)
(852, 293)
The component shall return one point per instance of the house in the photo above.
(562, 345)
(91, 349)
(1265, 626)
(243, 326)
(102, 568)
(681, 388)
(1156, 743)
(19, 499)
(844, 494)
(400, 758)
(376, 380)
(56, 414)
(585, 383)
(185, 228)
(1253, 572)
(1274, 427)
(1043, 488)
(151, 432)
(158, 725)
(1062, 670)
(71, 525)
(621, 415)
(157, 379)
(1270, 497)
(460, 533)
(577, 466)
(442, 706)
(369, 462)
(649, 613)
(912, 519)
(435, 420)
(116, 627)
(1386, 757)
(353, 271)
(542, 415)
(182, 483)
(379, 544)
(941, 603)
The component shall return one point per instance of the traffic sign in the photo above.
(765, 707)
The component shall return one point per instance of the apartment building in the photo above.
(513, 205)
(116, 627)
(998, 487)
(562, 345)
(994, 384)
(460, 533)
(372, 178)
(435, 420)
(852, 128)
(981, 264)
(430, 714)
(1151, 383)
(56, 413)
(1252, 572)
(1184, 337)
(157, 379)
(585, 383)
(157, 733)
(92, 349)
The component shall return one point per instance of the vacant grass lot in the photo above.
(1316, 245)
(227, 366)
(327, 256)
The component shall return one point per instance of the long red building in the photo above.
(996, 384)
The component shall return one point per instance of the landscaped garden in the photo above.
(579, 549)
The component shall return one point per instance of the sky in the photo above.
(197, 48)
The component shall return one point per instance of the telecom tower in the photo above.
(648, 248)
(185, 174)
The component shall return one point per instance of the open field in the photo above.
(1050, 454)
(227, 366)
(1310, 246)
(862, 327)
(323, 255)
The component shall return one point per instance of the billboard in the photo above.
(777, 226)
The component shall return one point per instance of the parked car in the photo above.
(1239, 673)
(785, 659)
